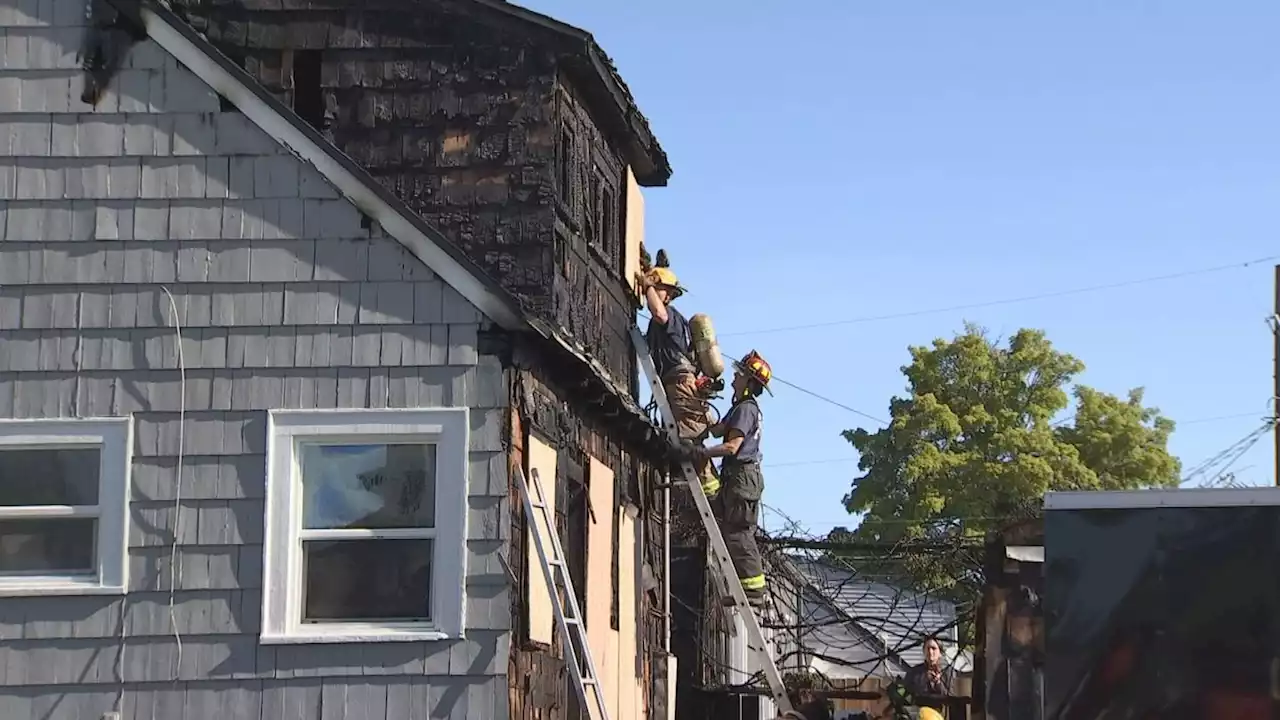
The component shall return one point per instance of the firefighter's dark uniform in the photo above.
(737, 505)
(670, 346)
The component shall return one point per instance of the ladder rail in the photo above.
(582, 667)
(719, 550)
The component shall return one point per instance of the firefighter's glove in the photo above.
(689, 451)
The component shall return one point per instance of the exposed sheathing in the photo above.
(634, 224)
(541, 459)
(629, 670)
(600, 574)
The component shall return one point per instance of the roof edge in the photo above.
(353, 182)
(1188, 497)
(650, 164)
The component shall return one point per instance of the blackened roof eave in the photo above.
(649, 161)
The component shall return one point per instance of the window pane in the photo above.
(49, 476)
(366, 580)
(368, 486)
(41, 546)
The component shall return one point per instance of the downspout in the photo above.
(666, 567)
(672, 672)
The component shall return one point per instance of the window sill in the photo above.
(11, 587)
(353, 636)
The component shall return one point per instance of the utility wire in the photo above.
(826, 399)
(1008, 301)
(1213, 470)
(818, 396)
(992, 303)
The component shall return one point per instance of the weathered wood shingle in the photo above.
(288, 298)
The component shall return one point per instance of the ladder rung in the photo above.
(571, 620)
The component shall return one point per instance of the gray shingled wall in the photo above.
(285, 301)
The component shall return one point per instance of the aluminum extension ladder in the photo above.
(719, 551)
(577, 651)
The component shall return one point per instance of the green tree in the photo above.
(974, 444)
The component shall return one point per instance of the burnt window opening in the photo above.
(609, 223)
(308, 96)
(572, 483)
(593, 227)
(564, 171)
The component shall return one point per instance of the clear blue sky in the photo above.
(838, 159)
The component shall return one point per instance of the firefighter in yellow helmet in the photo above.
(737, 505)
(928, 713)
(671, 347)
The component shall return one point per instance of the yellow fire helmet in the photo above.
(930, 714)
(665, 277)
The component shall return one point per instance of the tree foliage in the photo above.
(974, 442)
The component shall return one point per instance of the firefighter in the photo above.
(670, 346)
(738, 503)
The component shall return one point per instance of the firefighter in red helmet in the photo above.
(737, 504)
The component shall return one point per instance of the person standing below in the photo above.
(670, 346)
(737, 506)
(929, 681)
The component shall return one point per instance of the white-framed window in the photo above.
(64, 505)
(366, 525)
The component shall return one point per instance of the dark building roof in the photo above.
(592, 72)
(608, 93)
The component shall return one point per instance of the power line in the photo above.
(826, 399)
(1007, 301)
(1219, 464)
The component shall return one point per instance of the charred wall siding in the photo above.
(459, 111)
(593, 301)
(570, 423)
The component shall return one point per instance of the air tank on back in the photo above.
(705, 347)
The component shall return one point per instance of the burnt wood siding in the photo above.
(592, 300)
(459, 111)
(570, 423)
